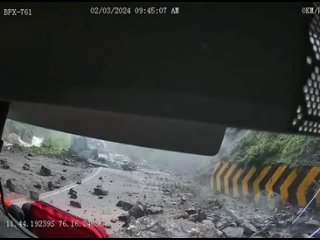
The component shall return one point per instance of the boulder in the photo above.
(181, 215)
(10, 185)
(75, 204)
(45, 171)
(124, 217)
(249, 228)
(207, 222)
(137, 211)
(37, 185)
(26, 167)
(223, 223)
(51, 186)
(3, 161)
(183, 199)
(72, 191)
(191, 211)
(154, 210)
(5, 166)
(34, 196)
(233, 232)
(218, 203)
(200, 216)
(73, 196)
(124, 205)
(100, 191)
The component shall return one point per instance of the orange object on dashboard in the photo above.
(7, 202)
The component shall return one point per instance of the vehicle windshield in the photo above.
(260, 184)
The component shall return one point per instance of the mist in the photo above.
(182, 163)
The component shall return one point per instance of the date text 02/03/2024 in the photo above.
(134, 11)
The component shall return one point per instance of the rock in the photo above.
(34, 196)
(10, 185)
(257, 236)
(154, 210)
(79, 182)
(233, 224)
(124, 217)
(108, 226)
(100, 178)
(194, 232)
(26, 167)
(37, 185)
(200, 216)
(5, 166)
(73, 196)
(249, 229)
(72, 191)
(100, 197)
(29, 158)
(113, 220)
(218, 203)
(63, 178)
(75, 204)
(222, 224)
(137, 211)
(181, 215)
(124, 205)
(207, 222)
(45, 171)
(233, 232)
(183, 199)
(64, 170)
(99, 191)
(51, 186)
(3, 161)
(191, 211)
(29, 155)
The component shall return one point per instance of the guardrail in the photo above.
(270, 184)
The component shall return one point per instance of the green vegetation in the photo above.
(54, 142)
(260, 148)
(51, 146)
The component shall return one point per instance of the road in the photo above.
(142, 185)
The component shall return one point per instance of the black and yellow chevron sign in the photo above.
(267, 184)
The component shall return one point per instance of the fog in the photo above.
(182, 163)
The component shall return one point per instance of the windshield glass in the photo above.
(258, 185)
